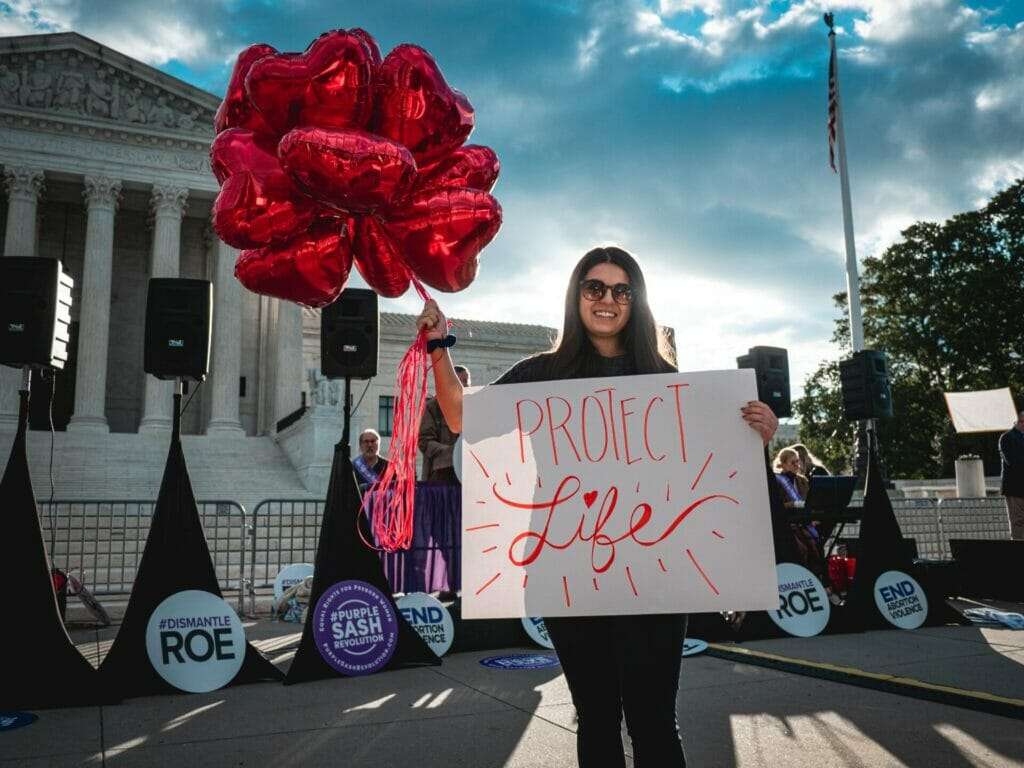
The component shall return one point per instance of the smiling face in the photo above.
(791, 464)
(604, 319)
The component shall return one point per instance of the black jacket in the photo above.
(1011, 449)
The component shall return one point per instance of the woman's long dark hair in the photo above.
(574, 356)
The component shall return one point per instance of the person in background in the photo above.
(1011, 450)
(436, 441)
(794, 487)
(369, 464)
(789, 477)
(810, 465)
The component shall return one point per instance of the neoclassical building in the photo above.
(106, 167)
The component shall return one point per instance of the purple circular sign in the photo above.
(355, 628)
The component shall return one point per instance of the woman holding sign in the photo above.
(613, 664)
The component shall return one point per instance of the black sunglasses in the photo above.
(594, 290)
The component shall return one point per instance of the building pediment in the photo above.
(69, 78)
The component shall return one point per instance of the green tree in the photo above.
(946, 305)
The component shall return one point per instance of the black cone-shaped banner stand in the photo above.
(39, 665)
(881, 546)
(176, 558)
(341, 555)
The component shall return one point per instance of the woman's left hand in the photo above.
(761, 419)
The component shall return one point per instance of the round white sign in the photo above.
(693, 645)
(289, 576)
(901, 600)
(430, 619)
(534, 626)
(457, 458)
(804, 608)
(195, 641)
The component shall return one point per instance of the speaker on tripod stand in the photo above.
(771, 366)
(35, 312)
(178, 328)
(349, 330)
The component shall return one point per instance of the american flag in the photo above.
(833, 98)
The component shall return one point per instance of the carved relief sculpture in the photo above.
(80, 85)
(70, 87)
(36, 86)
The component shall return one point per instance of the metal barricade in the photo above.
(282, 531)
(980, 518)
(103, 540)
(918, 520)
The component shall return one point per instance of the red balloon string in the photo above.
(392, 505)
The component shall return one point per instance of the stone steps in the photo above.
(130, 466)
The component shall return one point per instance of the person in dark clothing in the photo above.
(436, 441)
(613, 664)
(1011, 450)
(810, 465)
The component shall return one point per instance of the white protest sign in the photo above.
(625, 495)
(538, 632)
(803, 609)
(289, 576)
(901, 600)
(195, 641)
(990, 410)
(431, 620)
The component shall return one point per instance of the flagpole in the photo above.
(866, 439)
(852, 276)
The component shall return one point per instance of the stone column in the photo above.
(168, 204)
(24, 188)
(101, 198)
(288, 368)
(227, 343)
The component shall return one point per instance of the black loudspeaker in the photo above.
(771, 365)
(178, 328)
(35, 312)
(348, 335)
(865, 383)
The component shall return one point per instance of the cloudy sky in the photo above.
(690, 132)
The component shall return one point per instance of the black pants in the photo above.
(617, 664)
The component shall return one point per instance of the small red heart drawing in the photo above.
(589, 497)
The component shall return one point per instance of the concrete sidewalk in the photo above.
(464, 714)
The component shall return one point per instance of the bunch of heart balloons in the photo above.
(334, 156)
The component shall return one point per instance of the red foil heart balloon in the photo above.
(329, 85)
(371, 45)
(351, 170)
(239, 150)
(441, 231)
(257, 204)
(417, 108)
(472, 166)
(236, 111)
(377, 258)
(310, 269)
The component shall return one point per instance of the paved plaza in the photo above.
(465, 714)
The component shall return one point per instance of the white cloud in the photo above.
(588, 51)
(153, 32)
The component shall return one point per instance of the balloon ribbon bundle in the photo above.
(335, 156)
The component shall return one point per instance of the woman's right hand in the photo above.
(433, 321)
